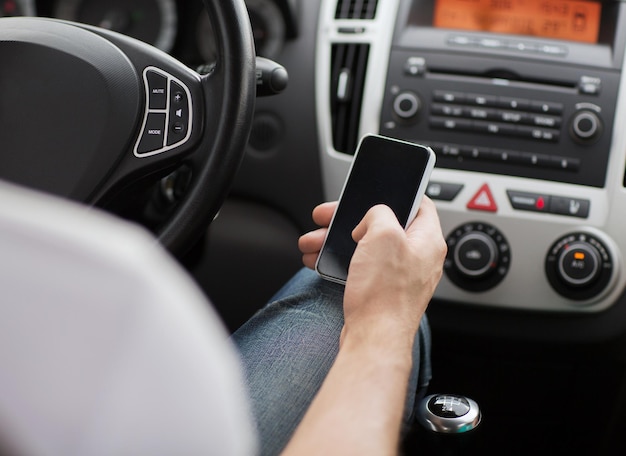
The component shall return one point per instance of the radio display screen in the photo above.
(573, 20)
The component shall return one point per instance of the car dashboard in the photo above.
(524, 104)
(529, 163)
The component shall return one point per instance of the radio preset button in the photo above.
(482, 100)
(518, 104)
(546, 107)
(449, 97)
(565, 163)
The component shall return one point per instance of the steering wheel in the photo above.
(86, 113)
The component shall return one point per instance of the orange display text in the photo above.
(572, 20)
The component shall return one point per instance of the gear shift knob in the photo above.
(449, 413)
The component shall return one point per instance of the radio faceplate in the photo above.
(539, 120)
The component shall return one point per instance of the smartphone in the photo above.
(384, 171)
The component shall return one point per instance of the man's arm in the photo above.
(392, 277)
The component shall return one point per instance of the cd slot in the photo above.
(503, 78)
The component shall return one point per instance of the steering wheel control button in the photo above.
(478, 258)
(153, 133)
(449, 413)
(168, 115)
(483, 200)
(157, 90)
(178, 115)
(579, 266)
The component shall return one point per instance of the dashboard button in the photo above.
(565, 163)
(443, 191)
(482, 100)
(518, 104)
(451, 124)
(573, 207)
(546, 107)
(483, 200)
(448, 97)
(533, 202)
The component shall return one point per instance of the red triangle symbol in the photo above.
(483, 200)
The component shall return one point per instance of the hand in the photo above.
(392, 276)
(393, 273)
(310, 243)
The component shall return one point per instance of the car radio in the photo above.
(507, 87)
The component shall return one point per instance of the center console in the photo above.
(522, 102)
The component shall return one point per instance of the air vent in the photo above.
(356, 9)
(349, 63)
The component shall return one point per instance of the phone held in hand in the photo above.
(384, 171)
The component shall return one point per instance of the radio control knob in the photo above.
(406, 105)
(586, 126)
(478, 256)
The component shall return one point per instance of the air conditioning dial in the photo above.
(478, 256)
(579, 266)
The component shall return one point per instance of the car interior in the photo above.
(219, 125)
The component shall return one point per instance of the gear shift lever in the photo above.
(449, 418)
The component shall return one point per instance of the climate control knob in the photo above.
(478, 256)
(579, 266)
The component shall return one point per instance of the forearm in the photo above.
(359, 407)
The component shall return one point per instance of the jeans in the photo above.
(288, 347)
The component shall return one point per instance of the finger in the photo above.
(312, 241)
(309, 260)
(427, 218)
(323, 214)
(379, 215)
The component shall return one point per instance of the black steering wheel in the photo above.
(85, 113)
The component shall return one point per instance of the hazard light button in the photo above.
(483, 200)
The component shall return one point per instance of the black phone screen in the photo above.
(384, 172)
